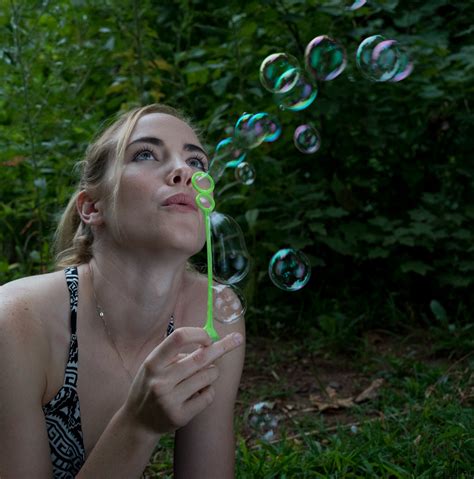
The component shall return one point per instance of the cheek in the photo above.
(137, 192)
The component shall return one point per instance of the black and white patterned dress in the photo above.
(63, 413)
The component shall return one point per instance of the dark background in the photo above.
(384, 210)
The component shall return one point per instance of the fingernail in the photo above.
(238, 338)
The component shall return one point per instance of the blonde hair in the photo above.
(73, 239)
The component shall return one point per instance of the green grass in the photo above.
(420, 426)
(416, 437)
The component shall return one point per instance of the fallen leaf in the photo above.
(330, 402)
(417, 440)
(371, 392)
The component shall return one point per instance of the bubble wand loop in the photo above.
(205, 194)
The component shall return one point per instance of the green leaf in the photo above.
(415, 267)
(438, 311)
(319, 228)
(251, 217)
(334, 212)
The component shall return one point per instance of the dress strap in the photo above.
(72, 279)
(170, 328)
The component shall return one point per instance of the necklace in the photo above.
(101, 314)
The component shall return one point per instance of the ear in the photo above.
(90, 211)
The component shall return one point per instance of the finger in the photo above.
(164, 353)
(202, 357)
(194, 384)
(199, 402)
(178, 357)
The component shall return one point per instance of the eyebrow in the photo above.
(157, 142)
(191, 147)
(147, 139)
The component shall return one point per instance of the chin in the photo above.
(190, 245)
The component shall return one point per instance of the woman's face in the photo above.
(161, 156)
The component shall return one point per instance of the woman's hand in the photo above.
(170, 387)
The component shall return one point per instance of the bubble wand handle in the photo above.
(204, 194)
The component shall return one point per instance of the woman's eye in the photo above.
(197, 163)
(144, 156)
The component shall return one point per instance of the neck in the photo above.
(137, 299)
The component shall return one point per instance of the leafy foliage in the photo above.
(383, 210)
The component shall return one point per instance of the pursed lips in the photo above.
(181, 199)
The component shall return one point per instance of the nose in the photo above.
(180, 174)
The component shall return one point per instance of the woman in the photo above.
(106, 354)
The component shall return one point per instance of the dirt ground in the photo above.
(284, 386)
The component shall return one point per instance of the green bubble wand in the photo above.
(205, 194)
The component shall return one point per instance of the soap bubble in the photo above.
(251, 130)
(263, 420)
(299, 97)
(354, 5)
(231, 260)
(227, 154)
(382, 60)
(245, 173)
(325, 59)
(364, 55)
(307, 139)
(289, 269)
(276, 66)
(405, 67)
(263, 123)
(385, 60)
(229, 304)
(247, 134)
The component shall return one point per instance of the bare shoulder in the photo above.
(24, 356)
(27, 303)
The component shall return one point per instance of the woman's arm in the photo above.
(205, 447)
(124, 448)
(157, 403)
(24, 447)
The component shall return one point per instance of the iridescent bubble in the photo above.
(245, 173)
(307, 139)
(356, 5)
(276, 66)
(364, 55)
(300, 97)
(262, 418)
(231, 260)
(289, 269)
(325, 59)
(382, 60)
(266, 125)
(227, 154)
(385, 60)
(246, 134)
(229, 303)
(405, 67)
